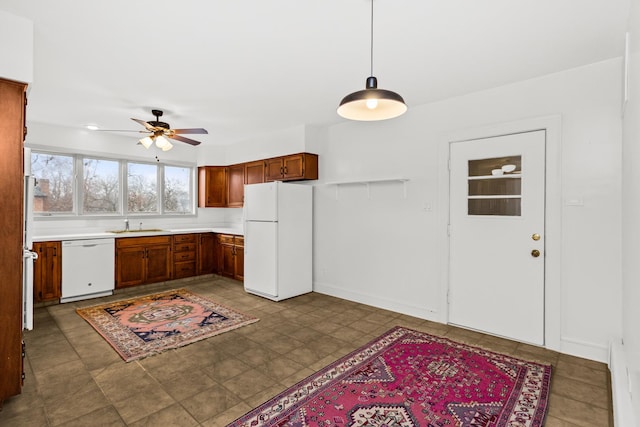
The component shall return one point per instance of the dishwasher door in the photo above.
(87, 269)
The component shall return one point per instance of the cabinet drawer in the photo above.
(184, 256)
(122, 242)
(184, 238)
(184, 269)
(184, 247)
(225, 238)
(239, 240)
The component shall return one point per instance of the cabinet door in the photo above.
(293, 167)
(47, 274)
(206, 253)
(228, 268)
(212, 187)
(273, 169)
(235, 187)
(130, 266)
(239, 263)
(254, 172)
(158, 266)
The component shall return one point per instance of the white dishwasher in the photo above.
(87, 269)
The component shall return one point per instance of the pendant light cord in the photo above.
(371, 38)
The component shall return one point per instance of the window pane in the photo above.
(495, 186)
(142, 186)
(54, 183)
(177, 190)
(101, 186)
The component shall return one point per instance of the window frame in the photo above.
(78, 188)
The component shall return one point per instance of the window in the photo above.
(177, 190)
(109, 187)
(495, 186)
(101, 189)
(54, 175)
(142, 186)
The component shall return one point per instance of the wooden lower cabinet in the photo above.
(231, 260)
(207, 256)
(141, 260)
(184, 255)
(47, 271)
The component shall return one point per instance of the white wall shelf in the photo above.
(368, 182)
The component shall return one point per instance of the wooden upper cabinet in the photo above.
(235, 187)
(293, 167)
(254, 172)
(212, 187)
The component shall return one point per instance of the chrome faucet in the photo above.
(126, 224)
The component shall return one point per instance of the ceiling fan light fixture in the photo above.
(372, 104)
(168, 146)
(146, 141)
(162, 142)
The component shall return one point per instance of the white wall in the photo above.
(631, 215)
(16, 49)
(286, 141)
(387, 250)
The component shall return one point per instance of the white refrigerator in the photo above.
(28, 255)
(278, 239)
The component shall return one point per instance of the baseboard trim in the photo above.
(384, 303)
(586, 350)
(623, 414)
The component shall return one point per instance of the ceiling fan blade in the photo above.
(145, 124)
(192, 131)
(120, 130)
(183, 139)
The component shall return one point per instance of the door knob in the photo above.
(535, 253)
(535, 236)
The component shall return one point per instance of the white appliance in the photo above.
(27, 244)
(87, 269)
(278, 239)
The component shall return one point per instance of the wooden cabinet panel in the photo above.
(212, 187)
(254, 172)
(47, 271)
(235, 186)
(158, 263)
(291, 168)
(141, 260)
(231, 256)
(12, 126)
(207, 254)
(130, 266)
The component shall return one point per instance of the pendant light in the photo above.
(372, 103)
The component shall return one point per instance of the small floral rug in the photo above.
(142, 326)
(407, 378)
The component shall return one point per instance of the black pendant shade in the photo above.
(372, 103)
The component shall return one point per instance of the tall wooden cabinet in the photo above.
(13, 102)
(47, 271)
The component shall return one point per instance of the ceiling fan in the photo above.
(161, 132)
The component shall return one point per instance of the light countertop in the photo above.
(237, 230)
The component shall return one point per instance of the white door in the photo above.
(497, 198)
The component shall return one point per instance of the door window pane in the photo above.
(142, 188)
(101, 186)
(177, 190)
(495, 186)
(54, 183)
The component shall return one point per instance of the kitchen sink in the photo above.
(144, 230)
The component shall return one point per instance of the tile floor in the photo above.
(74, 378)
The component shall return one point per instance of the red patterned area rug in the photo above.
(140, 327)
(408, 378)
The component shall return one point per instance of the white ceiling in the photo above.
(240, 68)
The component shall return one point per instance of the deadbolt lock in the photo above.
(535, 236)
(535, 253)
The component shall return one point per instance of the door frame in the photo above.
(553, 213)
